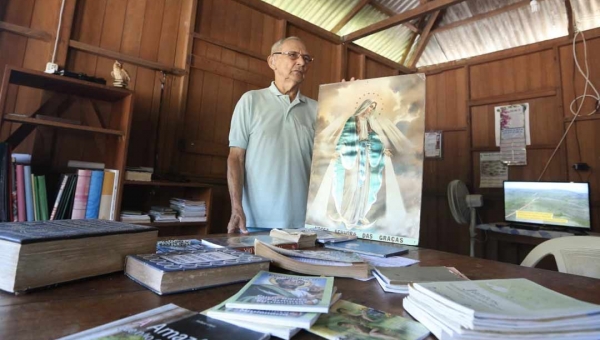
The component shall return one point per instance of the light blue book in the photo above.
(28, 193)
(93, 204)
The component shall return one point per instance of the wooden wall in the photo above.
(460, 101)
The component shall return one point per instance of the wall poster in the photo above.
(367, 166)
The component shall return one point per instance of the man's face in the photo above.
(285, 67)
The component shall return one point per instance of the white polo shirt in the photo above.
(278, 137)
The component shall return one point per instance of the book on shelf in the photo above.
(138, 173)
(246, 243)
(397, 279)
(37, 254)
(168, 322)
(28, 193)
(92, 208)
(85, 165)
(82, 190)
(317, 262)
(305, 238)
(108, 197)
(347, 320)
(5, 187)
(369, 248)
(274, 291)
(175, 272)
(135, 216)
(500, 309)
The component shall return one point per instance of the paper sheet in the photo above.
(492, 172)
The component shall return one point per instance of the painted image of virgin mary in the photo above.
(361, 169)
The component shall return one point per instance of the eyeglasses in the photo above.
(294, 55)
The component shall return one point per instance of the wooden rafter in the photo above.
(403, 17)
(485, 15)
(350, 15)
(380, 59)
(391, 13)
(425, 36)
(570, 22)
(25, 31)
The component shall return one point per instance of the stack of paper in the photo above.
(501, 309)
(396, 280)
(189, 210)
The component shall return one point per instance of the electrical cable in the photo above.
(60, 17)
(588, 83)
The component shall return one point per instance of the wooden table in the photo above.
(76, 306)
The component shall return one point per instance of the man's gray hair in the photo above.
(277, 45)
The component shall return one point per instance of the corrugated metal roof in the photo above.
(502, 31)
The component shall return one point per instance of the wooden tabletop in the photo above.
(72, 307)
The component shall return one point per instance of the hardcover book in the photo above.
(169, 246)
(323, 262)
(273, 291)
(168, 322)
(175, 272)
(369, 248)
(347, 320)
(304, 237)
(37, 254)
(246, 243)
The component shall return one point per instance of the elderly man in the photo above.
(271, 142)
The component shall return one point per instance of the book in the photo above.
(85, 165)
(347, 320)
(246, 243)
(43, 197)
(168, 322)
(321, 262)
(37, 254)
(139, 173)
(63, 183)
(175, 272)
(169, 246)
(92, 208)
(369, 248)
(304, 237)
(500, 309)
(115, 192)
(106, 195)
(397, 279)
(273, 291)
(21, 201)
(82, 190)
(28, 193)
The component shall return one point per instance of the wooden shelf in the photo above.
(172, 224)
(168, 184)
(17, 118)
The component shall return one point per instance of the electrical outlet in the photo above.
(51, 68)
(581, 166)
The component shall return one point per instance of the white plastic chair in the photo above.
(579, 255)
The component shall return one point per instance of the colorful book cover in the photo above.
(28, 193)
(273, 291)
(168, 322)
(82, 191)
(92, 207)
(323, 255)
(43, 197)
(106, 195)
(367, 164)
(246, 243)
(115, 192)
(347, 320)
(368, 248)
(21, 201)
(63, 183)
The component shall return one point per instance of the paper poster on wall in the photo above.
(517, 115)
(367, 166)
(513, 133)
(492, 171)
(433, 144)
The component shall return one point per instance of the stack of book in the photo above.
(246, 243)
(279, 304)
(500, 309)
(134, 216)
(138, 173)
(397, 279)
(162, 214)
(189, 210)
(304, 237)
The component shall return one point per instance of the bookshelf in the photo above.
(141, 195)
(75, 120)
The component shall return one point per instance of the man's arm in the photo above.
(235, 182)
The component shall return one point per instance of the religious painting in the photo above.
(367, 166)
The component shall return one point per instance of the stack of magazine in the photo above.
(500, 309)
(278, 304)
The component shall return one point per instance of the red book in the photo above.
(82, 190)
(21, 207)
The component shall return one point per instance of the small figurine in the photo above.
(120, 75)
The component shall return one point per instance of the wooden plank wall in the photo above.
(461, 101)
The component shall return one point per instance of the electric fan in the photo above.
(462, 206)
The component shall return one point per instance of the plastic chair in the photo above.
(579, 255)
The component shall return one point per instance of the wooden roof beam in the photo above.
(401, 18)
(482, 16)
(391, 13)
(570, 19)
(350, 15)
(423, 40)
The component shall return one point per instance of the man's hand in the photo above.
(351, 79)
(237, 222)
